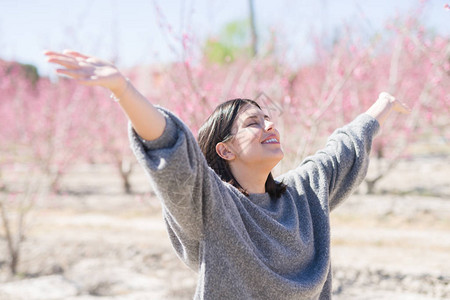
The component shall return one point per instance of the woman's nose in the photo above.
(268, 125)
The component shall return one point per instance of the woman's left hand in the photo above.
(395, 104)
(384, 105)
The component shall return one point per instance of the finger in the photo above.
(51, 54)
(402, 108)
(68, 63)
(74, 73)
(48, 52)
(76, 54)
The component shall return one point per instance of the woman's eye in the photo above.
(252, 124)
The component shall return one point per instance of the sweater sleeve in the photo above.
(181, 179)
(335, 171)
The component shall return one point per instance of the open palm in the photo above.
(86, 69)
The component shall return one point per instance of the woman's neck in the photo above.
(250, 179)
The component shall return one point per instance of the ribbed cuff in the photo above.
(369, 123)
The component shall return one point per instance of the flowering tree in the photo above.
(52, 126)
(45, 128)
(315, 99)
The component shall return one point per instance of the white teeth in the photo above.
(272, 140)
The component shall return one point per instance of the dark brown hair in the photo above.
(216, 129)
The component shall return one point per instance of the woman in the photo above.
(247, 235)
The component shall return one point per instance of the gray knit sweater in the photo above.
(254, 247)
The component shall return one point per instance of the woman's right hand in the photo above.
(88, 70)
(148, 122)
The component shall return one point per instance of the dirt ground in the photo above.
(93, 242)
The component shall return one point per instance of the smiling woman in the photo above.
(236, 141)
(248, 235)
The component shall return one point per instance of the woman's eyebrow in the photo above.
(257, 116)
(252, 117)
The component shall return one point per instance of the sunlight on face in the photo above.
(255, 138)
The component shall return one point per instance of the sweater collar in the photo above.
(260, 199)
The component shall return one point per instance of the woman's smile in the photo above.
(272, 139)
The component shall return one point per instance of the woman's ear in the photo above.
(224, 151)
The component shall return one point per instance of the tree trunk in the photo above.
(370, 184)
(125, 171)
(12, 251)
(13, 262)
(253, 29)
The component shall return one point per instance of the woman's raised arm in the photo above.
(147, 121)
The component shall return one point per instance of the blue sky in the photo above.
(130, 30)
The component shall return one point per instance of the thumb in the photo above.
(401, 107)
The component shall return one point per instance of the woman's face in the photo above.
(255, 140)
